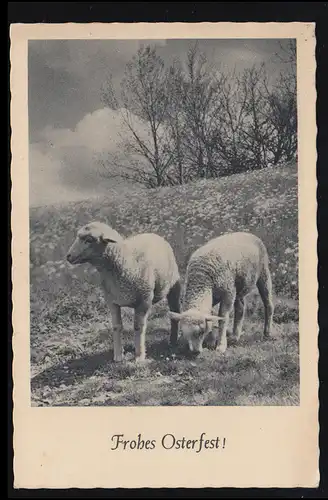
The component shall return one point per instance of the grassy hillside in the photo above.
(71, 343)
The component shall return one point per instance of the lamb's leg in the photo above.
(173, 299)
(117, 331)
(226, 306)
(264, 285)
(140, 326)
(239, 314)
(211, 340)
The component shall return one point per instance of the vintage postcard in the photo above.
(164, 255)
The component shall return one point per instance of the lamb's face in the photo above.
(90, 243)
(195, 326)
(194, 332)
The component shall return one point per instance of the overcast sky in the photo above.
(67, 120)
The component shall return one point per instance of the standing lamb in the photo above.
(224, 271)
(135, 272)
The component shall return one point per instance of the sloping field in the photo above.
(71, 342)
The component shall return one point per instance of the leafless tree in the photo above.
(143, 96)
(287, 53)
(192, 121)
(258, 121)
(201, 105)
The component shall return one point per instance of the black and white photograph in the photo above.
(163, 212)
(164, 255)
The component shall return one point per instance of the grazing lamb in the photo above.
(136, 272)
(223, 271)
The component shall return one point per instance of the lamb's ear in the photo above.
(175, 315)
(107, 239)
(214, 319)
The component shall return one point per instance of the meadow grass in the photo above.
(71, 341)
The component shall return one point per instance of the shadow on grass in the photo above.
(72, 371)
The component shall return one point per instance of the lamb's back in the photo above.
(153, 252)
(234, 254)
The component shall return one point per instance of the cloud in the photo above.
(99, 131)
(64, 163)
(45, 183)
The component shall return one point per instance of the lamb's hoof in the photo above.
(222, 348)
(141, 360)
(118, 356)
